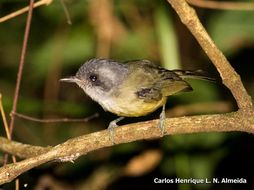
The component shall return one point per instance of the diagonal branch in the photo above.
(73, 148)
(23, 10)
(229, 77)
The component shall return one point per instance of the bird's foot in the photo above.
(112, 125)
(162, 122)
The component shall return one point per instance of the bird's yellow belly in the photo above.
(134, 107)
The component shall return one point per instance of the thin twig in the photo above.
(23, 10)
(4, 118)
(21, 63)
(66, 12)
(223, 5)
(58, 120)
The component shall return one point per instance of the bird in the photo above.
(131, 88)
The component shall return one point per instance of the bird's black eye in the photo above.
(93, 78)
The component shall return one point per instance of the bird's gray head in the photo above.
(97, 77)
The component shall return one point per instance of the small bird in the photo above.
(132, 88)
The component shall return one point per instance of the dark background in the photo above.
(125, 30)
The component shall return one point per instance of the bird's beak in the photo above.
(70, 79)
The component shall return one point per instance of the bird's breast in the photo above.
(129, 105)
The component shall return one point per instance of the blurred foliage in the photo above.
(123, 31)
(167, 39)
(237, 34)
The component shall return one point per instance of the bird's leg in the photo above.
(111, 127)
(162, 119)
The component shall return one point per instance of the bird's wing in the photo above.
(149, 94)
(154, 82)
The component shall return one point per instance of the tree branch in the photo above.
(73, 148)
(229, 77)
(21, 150)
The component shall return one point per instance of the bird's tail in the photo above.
(198, 74)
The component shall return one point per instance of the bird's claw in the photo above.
(162, 121)
(111, 127)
